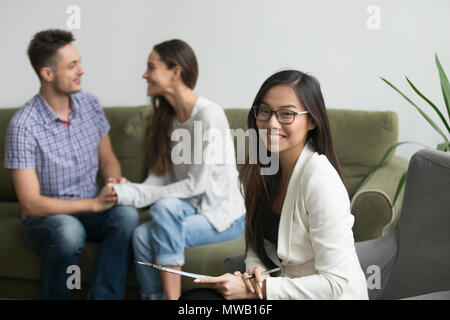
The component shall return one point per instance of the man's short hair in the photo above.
(43, 48)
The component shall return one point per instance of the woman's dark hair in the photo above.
(172, 53)
(259, 189)
(43, 48)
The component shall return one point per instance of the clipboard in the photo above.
(194, 275)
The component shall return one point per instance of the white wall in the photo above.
(239, 43)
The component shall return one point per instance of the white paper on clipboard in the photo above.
(181, 273)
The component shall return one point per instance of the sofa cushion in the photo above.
(129, 127)
(361, 138)
(22, 261)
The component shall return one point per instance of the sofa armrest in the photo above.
(372, 202)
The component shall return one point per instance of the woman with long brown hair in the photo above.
(298, 219)
(194, 195)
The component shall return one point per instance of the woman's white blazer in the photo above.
(316, 249)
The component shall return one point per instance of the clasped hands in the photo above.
(108, 197)
(237, 286)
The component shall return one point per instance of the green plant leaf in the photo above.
(445, 85)
(399, 187)
(392, 148)
(431, 104)
(431, 122)
(384, 157)
(444, 146)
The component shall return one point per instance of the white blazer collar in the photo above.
(287, 211)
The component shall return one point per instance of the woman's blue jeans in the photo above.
(60, 239)
(174, 226)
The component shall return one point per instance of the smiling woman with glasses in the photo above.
(298, 219)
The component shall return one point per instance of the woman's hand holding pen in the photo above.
(256, 284)
(230, 286)
(237, 285)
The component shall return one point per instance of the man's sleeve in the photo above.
(20, 148)
(100, 119)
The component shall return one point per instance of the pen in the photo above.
(249, 276)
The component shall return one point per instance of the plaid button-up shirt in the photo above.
(65, 158)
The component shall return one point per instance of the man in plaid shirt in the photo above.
(55, 145)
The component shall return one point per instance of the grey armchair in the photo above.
(413, 262)
(415, 259)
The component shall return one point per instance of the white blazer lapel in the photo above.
(287, 211)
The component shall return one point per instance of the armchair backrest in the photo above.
(422, 264)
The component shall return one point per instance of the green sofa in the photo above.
(360, 138)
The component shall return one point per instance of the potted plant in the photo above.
(445, 134)
(445, 86)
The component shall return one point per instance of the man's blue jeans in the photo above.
(60, 239)
(174, 226)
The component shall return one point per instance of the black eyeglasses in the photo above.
(283, 116)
